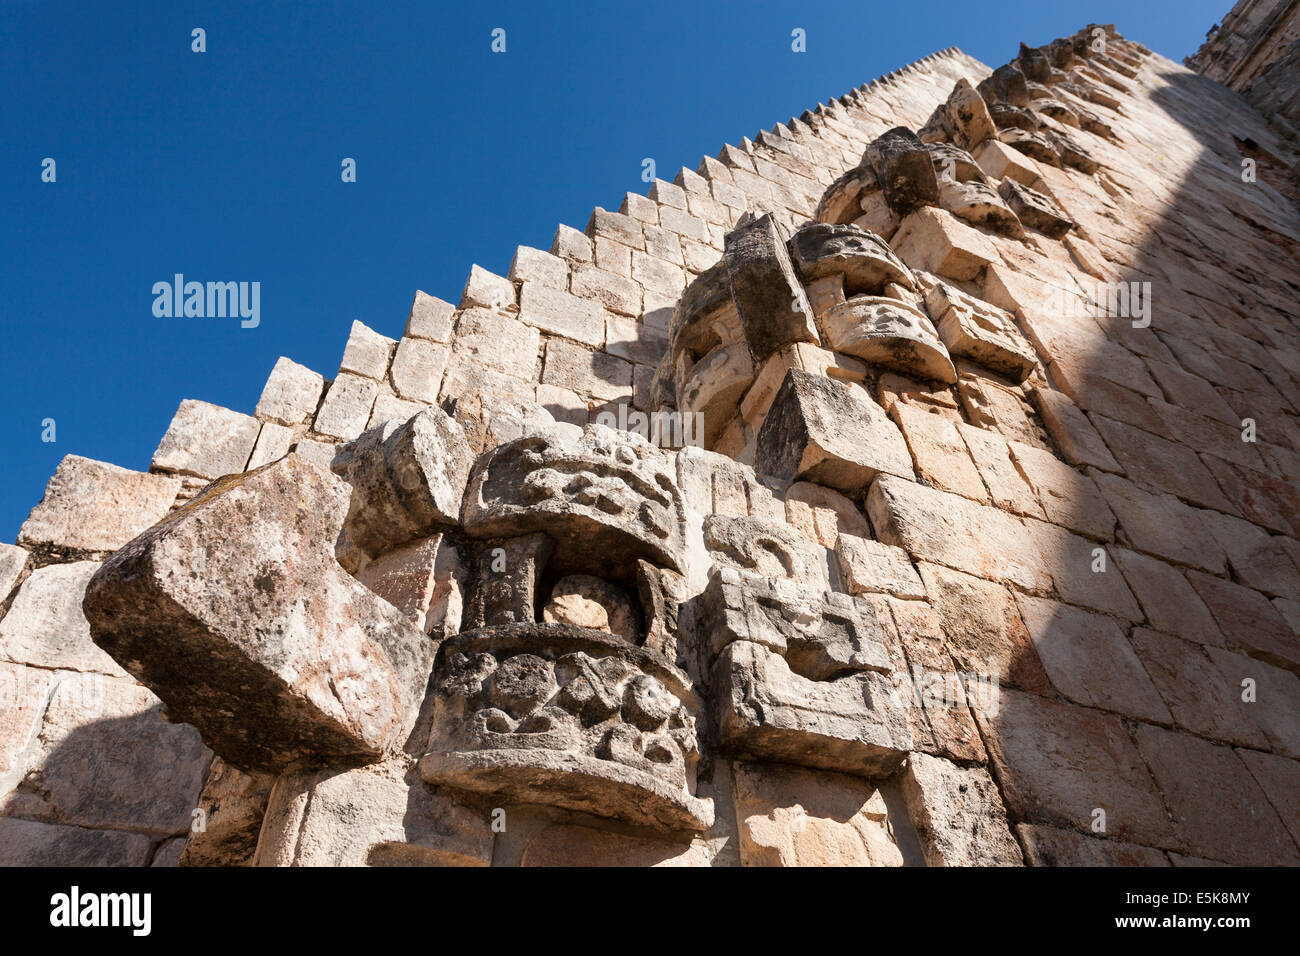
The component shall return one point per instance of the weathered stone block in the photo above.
(830, 433)
(937, 241)
(367, 352)
(346, 410)
(206, 440)
(430, 318)
(91, 508)
(417, 369)
(958, 814)
(274, 652)
(45, 626)
(773, 308)
(889, 333)
(291, 394)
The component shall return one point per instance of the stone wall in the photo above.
(972, 569)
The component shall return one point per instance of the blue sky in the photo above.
(225, 166)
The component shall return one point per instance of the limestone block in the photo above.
(417, 369)
(554, 310)
(770, 548)
(105, 758)
(629, 339)
(485, 290)
(1070, 643)
(543, 268)
(1033, 144)
(430, 318)
(1181, 765)
(792, 817)
(388, 407)
(273, 443)
(1068, 497)
(13, 561)
(570, 244)
(830, 433)
(821, 514)
(91, 508)
(371, 816)
(902, 164)
(30, 843)
(617, 293)
(570, 845)
(495, 342)
(274, 653)
(958, 814)
(1070, 429)
(206, 440)
(1035, 210)
(868, 566)
(951, 530)
(45, 626)
(367, 352)
(941, 457)
(974, 329)
(291, 394)
(406, 479)
(773, 308)
(1057, 763)
(713, 387)
(1052, 846)
(425, 580)
(489, 420)
(936, 241)
(346, 410)
(597, 374)
(1000, 161)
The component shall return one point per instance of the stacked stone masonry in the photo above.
(964, 564)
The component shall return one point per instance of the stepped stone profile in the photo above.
(986, 552)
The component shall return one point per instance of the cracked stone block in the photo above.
(829, 433)
(274, 652)
(417, 369)
(291, 394)
(1070, 429)
(91, 508)
(206, 440)
(346, 410)
(274, 441)
(958, 814)
(367, 352)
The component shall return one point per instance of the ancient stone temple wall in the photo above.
(970, 534)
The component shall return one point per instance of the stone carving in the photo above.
(863, 258)
(889, 333)
(567, 716)
(605, 498)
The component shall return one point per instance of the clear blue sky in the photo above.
(225, 165)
